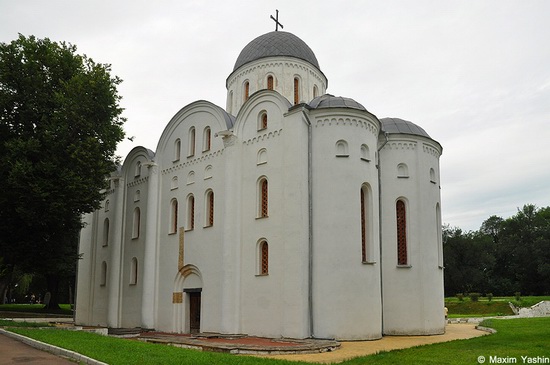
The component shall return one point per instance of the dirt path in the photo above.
(361, 348)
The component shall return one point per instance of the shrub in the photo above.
(474, 297)
(489, 296)
(517, 295)
(460, 296)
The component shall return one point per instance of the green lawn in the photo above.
(514, 338)
(65, 309)
(498, 306)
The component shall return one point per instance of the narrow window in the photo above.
(137, 195)
(246, 90)
(191, 142)
(264, 258)
(106, 232)
(401, 216)
(270, 82)
(263, 198)
(209, 208)
(363, 226)
(207, 140)
(263, 121)
(137, 223)
(173, 216)
(177, 150)
(103, 278)
(106, 205)
(134, 271)
(190, 213)
(138, 169)
(296, 91)
(315, 91)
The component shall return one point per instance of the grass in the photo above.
(498, 306)
(8, 323)
(514, 338)
(65, 309)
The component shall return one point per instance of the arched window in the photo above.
(342, 148)
(103, 277)
(137, 223)
(264, 258)
(262, 157)
(246, 90)
(315, 91)
(134, 271)
(138, 169)
(177, 150)
(365, 153)
(262, 122)
(206, 139)
(174, 184)
(209, 214)
(401, 215)
(106, 232)
(296, 91)
(173, 216)
(190, 213)
(270, 82)
(191, 142)
(263, 198)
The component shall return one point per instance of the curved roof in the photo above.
(276, 44)
(331, 101)
(396, 125)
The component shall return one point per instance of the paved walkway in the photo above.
(16, 352)
(350, 350)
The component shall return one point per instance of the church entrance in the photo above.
(194, 311)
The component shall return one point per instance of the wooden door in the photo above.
(195, 312)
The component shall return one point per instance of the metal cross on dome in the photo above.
(276, 19)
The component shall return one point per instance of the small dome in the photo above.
(331, 101)
(396, 125)
(276, 44)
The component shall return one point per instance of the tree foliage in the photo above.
(505, 256)
(60, 123)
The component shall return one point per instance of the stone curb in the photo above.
(52, 349)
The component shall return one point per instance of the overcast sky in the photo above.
(474, 74)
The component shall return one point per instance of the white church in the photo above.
(288, 213)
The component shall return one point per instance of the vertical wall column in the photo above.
(115, 263)
(231, 291)
(150, 251)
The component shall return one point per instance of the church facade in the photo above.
(290, 213)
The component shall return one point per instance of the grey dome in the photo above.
(276, 44)
(331, 101)
(396, 125)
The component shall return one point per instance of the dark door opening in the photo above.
(195, 312)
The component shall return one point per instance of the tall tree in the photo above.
(60, 123)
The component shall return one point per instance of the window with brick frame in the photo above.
(401, 216)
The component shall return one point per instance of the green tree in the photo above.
(468, 261)
(60, 123)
